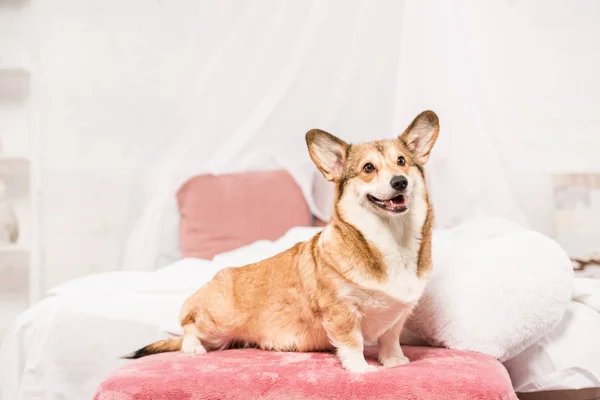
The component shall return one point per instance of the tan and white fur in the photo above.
(354, 282)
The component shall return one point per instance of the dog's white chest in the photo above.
(390, 300)
(379, 314)
(385, 304)
(399, 247)
(398, 240)
(403, 284)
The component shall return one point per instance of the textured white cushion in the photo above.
(496, 288)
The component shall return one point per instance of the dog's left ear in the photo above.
(421, 134)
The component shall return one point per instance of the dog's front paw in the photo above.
(394, 361)
(360, 368)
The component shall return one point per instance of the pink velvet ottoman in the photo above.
(435, 374)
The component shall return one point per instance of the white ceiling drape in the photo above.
(269, 71)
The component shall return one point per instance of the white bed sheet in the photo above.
(64, 346)
(566, 358)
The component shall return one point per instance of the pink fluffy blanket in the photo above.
(435, 374)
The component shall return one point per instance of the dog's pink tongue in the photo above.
(395, 202)
(390, 203)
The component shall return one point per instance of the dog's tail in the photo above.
(162, 346)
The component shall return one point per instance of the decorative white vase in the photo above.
(9, 227)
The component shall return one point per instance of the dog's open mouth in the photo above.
(395, 204)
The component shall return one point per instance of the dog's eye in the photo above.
(401, 161)
(368, 168)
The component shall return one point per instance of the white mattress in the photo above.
(65, 345)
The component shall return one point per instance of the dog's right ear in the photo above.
(327, 152)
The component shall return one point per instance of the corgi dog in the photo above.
(354, 282)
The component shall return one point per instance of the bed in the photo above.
(68, 344)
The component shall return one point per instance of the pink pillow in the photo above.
(222, 213)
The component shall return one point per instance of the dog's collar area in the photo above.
(395, 204)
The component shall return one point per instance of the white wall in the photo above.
(109, 77)
(543, 93)
(110, 72)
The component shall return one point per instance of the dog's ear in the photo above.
(420, 135)
(327, 152)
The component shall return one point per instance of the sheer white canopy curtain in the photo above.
(268, 71)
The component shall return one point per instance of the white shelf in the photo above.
(14, 269)
(13, 249)
(15, 49)
(20, 137)
(15, 171)
(14, 83)
(14, 70)
(14, 160)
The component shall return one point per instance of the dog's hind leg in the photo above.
(191, 341)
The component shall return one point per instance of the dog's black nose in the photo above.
(399, 182)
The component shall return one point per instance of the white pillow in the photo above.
(495, 288)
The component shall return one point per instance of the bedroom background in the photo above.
(89, 92)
